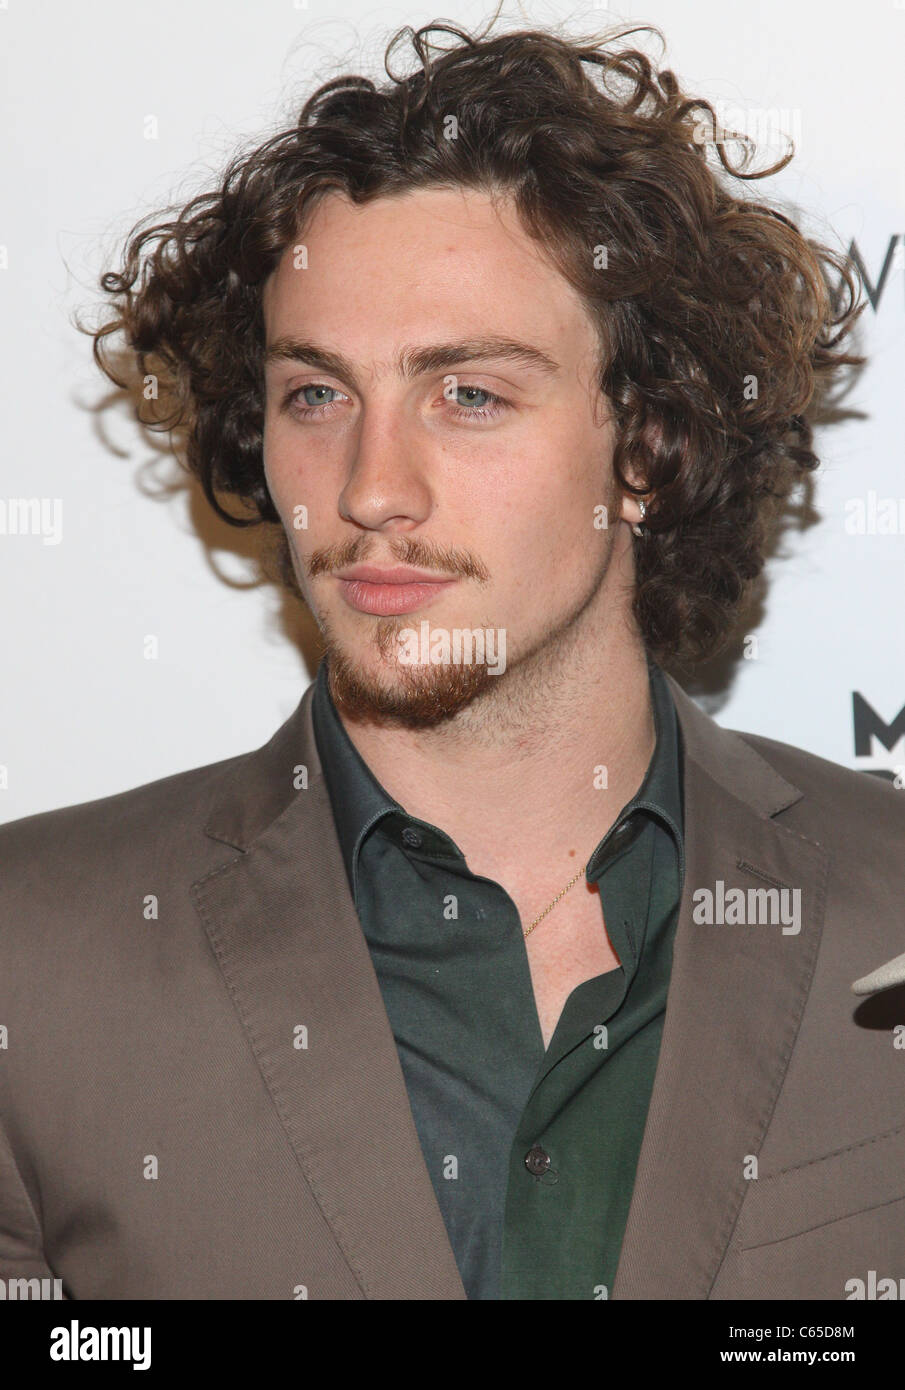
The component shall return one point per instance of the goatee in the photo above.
(416, 697)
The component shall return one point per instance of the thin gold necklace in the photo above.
(570, 884)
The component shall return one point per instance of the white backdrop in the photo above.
(82, 712)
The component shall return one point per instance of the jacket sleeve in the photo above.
(21, 1241)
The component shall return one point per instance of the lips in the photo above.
(369, 589)
(399, 574)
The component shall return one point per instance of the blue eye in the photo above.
(303, 389)
(473, 391)
(477, 410)
(299, 403)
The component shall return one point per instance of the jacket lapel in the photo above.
(283, 927)
(735, 1001)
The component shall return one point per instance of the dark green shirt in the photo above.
(532, 1153)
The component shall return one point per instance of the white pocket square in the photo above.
(892, 973)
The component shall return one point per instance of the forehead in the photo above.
(419, 265)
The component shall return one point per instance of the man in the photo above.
(501, 971)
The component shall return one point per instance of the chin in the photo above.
(387, 692)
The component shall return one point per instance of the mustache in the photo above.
(407, 550)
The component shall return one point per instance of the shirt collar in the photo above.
(359, 801)
(357, 798)
(661, 792)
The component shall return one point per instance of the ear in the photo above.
(630, 510)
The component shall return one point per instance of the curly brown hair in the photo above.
(718, 320)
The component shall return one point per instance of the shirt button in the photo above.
(537, 1160)
(411, 838)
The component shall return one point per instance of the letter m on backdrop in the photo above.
(868, 725)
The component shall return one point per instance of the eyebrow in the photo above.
(413, 361)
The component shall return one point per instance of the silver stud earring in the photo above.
(639, 528)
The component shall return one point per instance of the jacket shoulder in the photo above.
(162, 815)
(857, 803)
(810, 771)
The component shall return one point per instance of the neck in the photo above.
(514, 777)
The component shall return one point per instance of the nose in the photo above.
(387, 485)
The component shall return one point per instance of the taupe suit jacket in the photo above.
(164, 1134)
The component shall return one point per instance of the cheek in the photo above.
(275, 466)
(563, 540)
(291, 482)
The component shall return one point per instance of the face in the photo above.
(432, 406)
